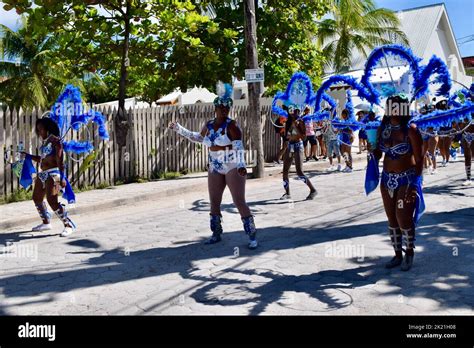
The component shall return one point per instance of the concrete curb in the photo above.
(270, 172)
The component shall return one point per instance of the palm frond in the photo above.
(356, 25)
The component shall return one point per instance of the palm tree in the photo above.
(31, 77)
(33, 71)
(356, 25)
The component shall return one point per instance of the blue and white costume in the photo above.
(224, 166)
(47, 149)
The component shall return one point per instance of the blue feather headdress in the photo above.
(422, 79)
(381, 53)
(69, 113)
(224, 95)
(341, 79)
(366, 90)
(298, 94)
(421, 74)
(434, 67)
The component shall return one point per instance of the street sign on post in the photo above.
(254, 75)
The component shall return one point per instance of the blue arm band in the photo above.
(240, 153)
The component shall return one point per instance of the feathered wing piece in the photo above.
(341, 79)
(350, 106)
(276, 109)
(99, 120)
(332, 103)
(66, 108)
(421, 74)
(300, 90)
(69, 113)
(78, 147)
(445, 118)
(435, 66)
(381, 53)
(299, 93)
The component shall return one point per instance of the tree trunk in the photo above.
(123, 65)
(121, 122)
(254, 88)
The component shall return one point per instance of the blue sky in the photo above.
(461, 14)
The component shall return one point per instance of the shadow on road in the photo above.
(435, 264)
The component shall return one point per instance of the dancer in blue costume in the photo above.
(402, 145)
(52, 178)
(226, 164)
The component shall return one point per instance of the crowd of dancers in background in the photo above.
(321, 141)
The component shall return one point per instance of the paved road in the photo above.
(316, 257)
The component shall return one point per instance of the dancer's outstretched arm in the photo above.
(193, 136)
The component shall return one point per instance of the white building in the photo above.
(429, 33)
(195, 95)
(130, 103)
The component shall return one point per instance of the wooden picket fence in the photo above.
(151, 148)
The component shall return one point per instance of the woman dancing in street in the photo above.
(51, 177)
(295, 132)
(226, 165)
(401, 177)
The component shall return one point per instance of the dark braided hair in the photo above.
(50, 126)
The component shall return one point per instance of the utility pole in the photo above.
(254, 87)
